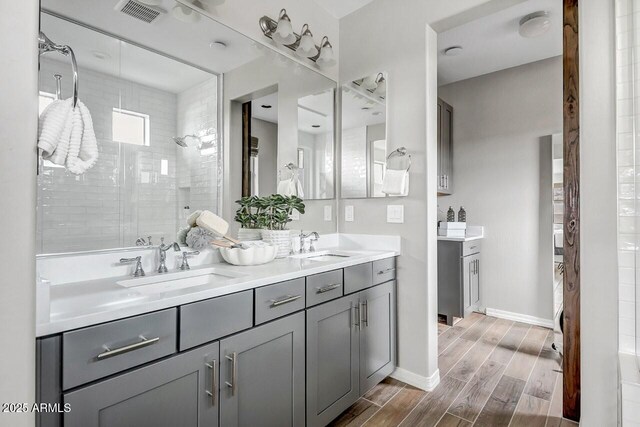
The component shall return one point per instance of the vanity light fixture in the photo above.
(535, 24)
(282, 33)
(326, 58)
(307, 47)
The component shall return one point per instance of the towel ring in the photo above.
(400, 152)
(45, 45)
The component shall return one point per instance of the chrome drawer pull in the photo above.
(214, 381)
(234, 373)
(327, 288)
(284, 300)
(127, 348)
(386, 271)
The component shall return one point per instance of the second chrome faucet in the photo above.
(162, 268)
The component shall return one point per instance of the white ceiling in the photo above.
(186, 41)
(341, 8)
(492, 43)
(313, 110)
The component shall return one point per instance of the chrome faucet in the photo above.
(162, 268)
(315, 236)
(185, 262)
(139, 272)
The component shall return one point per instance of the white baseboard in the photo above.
(524, 318)
(423, 383)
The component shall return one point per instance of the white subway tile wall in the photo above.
(354, 162)
(133, 190)
(627, 45)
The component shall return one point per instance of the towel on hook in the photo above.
(395, 182)
(66, 136)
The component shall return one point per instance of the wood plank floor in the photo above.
(493, 372)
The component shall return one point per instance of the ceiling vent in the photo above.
(139, 10)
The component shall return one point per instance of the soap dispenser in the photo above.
(451, 215)
(462, 215)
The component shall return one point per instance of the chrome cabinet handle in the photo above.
(234, 373)
(214, 381)
(327, 288)
(355, 310)
(365, 314)
(127, 348)
(386, 270)
(284, 300)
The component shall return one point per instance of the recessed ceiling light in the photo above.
(535, 24)
(266, 106)
(366, 108)
(218, 45)
(453, 51)
(100, 55)
(315, 126)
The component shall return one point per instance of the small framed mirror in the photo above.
(365, 149)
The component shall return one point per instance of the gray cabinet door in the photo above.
(262, 375)
(332, 359)
(178, 391)
(377, 334)
(471, 285)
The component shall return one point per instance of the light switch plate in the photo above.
(395, 214)
(348, 213)
(327, 213)
(295, 216)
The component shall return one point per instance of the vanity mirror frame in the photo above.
(220, 134)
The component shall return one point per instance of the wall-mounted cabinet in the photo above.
(445, 148)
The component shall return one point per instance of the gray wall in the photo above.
(18, 133)
(502, 176)
(598, 260)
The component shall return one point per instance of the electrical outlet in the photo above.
(327, 213)
(295, 216)
(395, 214)
(348, 213)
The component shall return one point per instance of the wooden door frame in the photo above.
(571, 184)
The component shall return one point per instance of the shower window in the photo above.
(144, 184)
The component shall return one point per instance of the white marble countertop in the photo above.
(77, 305)
(461, 239)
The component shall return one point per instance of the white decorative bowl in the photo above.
(255, 254)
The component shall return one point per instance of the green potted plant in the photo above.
(274, 213)
(247, 216)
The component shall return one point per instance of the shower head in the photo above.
(182, 140)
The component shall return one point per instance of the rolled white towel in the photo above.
(54, 129)
(83, 146)
(284, 187)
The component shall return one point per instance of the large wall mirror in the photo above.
(156, 95)
(366, 154)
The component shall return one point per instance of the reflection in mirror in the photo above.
(364, 141)
(156, 124)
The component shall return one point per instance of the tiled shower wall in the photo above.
(126, 195)
(626, 50)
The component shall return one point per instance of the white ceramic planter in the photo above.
(279, 238)
(249, 234)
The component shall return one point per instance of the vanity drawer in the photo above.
(102, 350)
(208, 320)
(324, 287)
(469, 248)
(358, 277)
(278, 300)
(384, 270)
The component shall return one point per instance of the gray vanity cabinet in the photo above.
(262, 375)
(332, 359)
(377, 335)
(458, 278)
(178, 391)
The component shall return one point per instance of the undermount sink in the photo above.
(322, 256)
(179, 280)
